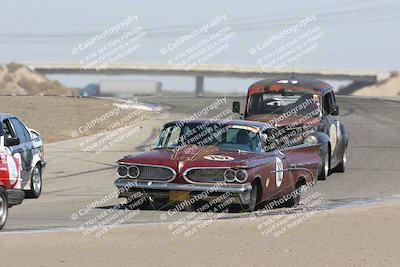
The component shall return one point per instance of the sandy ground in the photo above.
(16, 79)
(58, 118)
(389, 87)
(363, 236)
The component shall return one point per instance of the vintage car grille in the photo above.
(206, 175)
(155, 173)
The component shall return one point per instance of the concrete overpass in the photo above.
(359, 78)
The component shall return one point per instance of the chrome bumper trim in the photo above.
(126, 183)
(241, 192)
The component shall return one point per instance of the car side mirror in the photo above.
(335, 112)
(236, 107)
(13, 141)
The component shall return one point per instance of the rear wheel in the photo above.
(293, 199)
(36, 183)
(3, 207)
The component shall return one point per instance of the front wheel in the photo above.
(36, 183)
(324, 171)
(3, 207)
(253, 199)
(343, 163)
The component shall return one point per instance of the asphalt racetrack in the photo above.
(74, 179)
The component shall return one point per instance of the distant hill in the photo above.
(17, 79)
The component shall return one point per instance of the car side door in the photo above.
(24, 148)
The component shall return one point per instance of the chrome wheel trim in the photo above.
(344, 159)
(3, 209)
(326, 165)
(36, 180)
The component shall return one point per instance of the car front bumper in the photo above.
(15, 196)
(157, 190)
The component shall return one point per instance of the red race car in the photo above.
(204, 159)
(298, 108)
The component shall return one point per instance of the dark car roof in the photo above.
(254, 124)
(312, 85)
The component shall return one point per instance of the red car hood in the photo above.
(279, 120)
(196, 156)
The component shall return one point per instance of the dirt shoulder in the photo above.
(361, 236)
(17, 79)
(59, 118)
(388, 87)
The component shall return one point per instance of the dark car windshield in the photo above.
(232, 137)
(280, 103)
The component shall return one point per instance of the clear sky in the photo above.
(356, 34)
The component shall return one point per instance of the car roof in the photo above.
(246, 123)
(5, 116)
(304, 85)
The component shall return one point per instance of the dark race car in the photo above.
(299, 108)
(209, 158)
(21, 164)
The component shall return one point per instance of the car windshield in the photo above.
(226, 137)
(292, 103)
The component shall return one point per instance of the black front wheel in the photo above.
(343, 163)
(251, 206)
(325, 169)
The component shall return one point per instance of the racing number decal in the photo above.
(14, 167)
(333, 138)
(219, 158)
(278, 171)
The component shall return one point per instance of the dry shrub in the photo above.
(13, 67)
(32, 87)
(7, 77)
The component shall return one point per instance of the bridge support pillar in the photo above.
(199, 90)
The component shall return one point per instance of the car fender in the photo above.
(342, 142)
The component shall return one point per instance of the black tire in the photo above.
(293, 199)
(137, 204)
(36, 183)
(3, 207)
(253, 198)
(325, 169)
(343, 162)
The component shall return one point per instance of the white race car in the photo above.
(21, 164)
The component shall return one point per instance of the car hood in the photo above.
(197, 156)
(279, 120)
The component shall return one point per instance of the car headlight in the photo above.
(311, 140)
(235, 176)
(229, 175)
(241, 176)
(133, 171)
(122, 171)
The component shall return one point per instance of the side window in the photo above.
(334, 99)
(8, 130)
(328, 103)
(20, 130)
